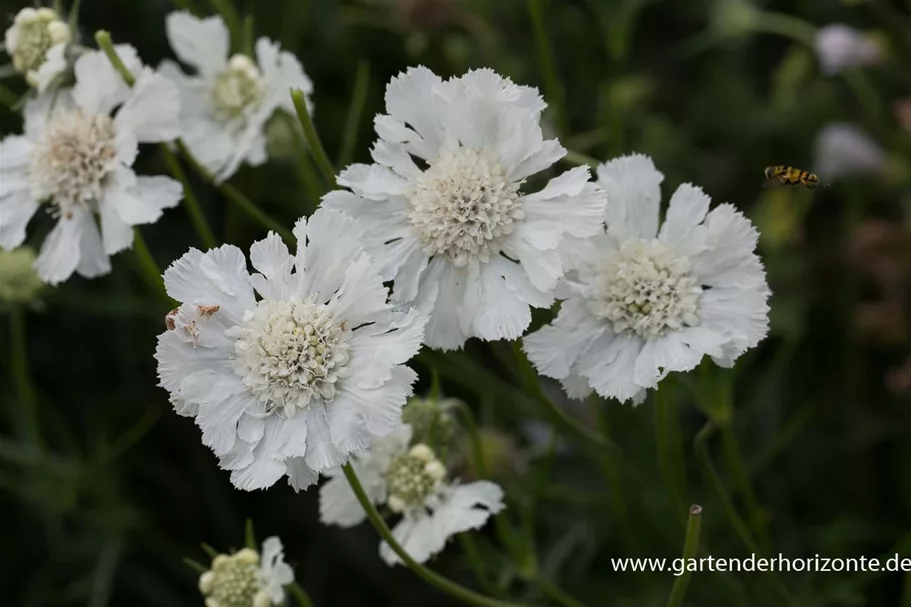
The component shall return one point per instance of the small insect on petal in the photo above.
(169, 319)
(207, 311)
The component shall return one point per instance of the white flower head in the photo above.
(411, 481)
(230, 99)
(442, 206)
(75, 159)
(37, 43)
(292, 381)
(248, 578)
(844, 149)
(840, 47)
(645, 301)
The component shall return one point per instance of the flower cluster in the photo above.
(37, 42)
(247, 578)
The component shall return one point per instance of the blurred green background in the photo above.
(812, 439)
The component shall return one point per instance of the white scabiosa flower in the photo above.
(230, 99)
(645, 301)
(248, 578)
(410, 481)
(840, 47)
(37, 43)
(75, 160)
(442, 206)
(290, 382)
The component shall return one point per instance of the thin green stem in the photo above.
(740, 527)
(546, 59)
(131, 436)
(313, 140)
(429, 576)
(306, 173)
(557, 415)
(557, 594)
(73, 17)
(690, 546)
(787, 26)
(737, 465)
(669, 454)
(25, 388)
(148, 266)
(476, 561)
(191, 202)
(103, 39)
(300, 595)
(353, 122)
(226, 9)
(579, 159)
(194, 565)
(236, 197)
(249, 535)
(249, 35)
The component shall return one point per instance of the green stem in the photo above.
(557, 415)
(191, 202)
(690, 546)
(546, 58)
(580, 159)
(300, 595)
(130, 437)
(353, 122)
(740, 527)
(23, 378)
(236, 197)
(429, 576)
(787, 26)
(476, 562)
(249, 535)
(742, 478)
(556, 593)
(148, 265)
(226, 9)
(669, 453)
(103, 39)
(313, 140)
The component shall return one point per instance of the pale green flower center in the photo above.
(237, 88)
(413, 477)
(645, 289)
(463, 205)
(233, 581)
(36, 32)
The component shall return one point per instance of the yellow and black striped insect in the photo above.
(782, 174)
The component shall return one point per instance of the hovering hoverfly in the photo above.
(781, 174)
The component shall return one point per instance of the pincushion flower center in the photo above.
(644, 288)
(291, 353)
(463, 205)
(72, 159)
(412, 477)
(237, 88)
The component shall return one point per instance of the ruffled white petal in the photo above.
(15, 156)
(16, 210)
(99, 87)
(62, 248)
(152, 112)
(633, 187)
(54, 65)
(200, 43)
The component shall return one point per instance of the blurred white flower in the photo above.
(646, 302)
(75, 159)
(412, 482)
(844, 149)
(229, 101)
(839, 47)
(442, 209)
(292, 382)
(248, 579)
(37, 42)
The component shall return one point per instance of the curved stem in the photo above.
(690, 546)
(197, 217)
(557, 415)
(546, 58)
(358, 99)
(557, 594)
(103, 38)
(431, 577)
(742, 478)
(23, 378)
(313, 140)
(300, 595)
(236, 197)
(148, 265)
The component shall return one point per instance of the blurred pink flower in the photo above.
(839, 46)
